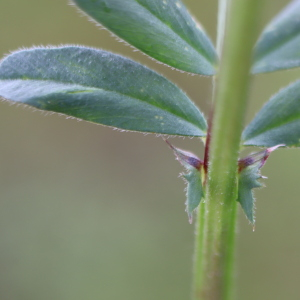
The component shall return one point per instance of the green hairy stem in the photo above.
(215, 237)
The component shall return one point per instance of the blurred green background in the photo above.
(87, 212)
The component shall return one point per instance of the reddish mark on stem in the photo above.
(207, 143)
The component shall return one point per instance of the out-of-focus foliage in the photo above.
(279, 45)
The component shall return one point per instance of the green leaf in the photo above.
(248, 180)
(163, 29)
(249, 173)
(279, 45)
(194, 189)
(278, 122)
(99, 87)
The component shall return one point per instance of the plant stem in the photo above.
(215, 239)
(222, 14)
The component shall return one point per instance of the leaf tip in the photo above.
(187, 159)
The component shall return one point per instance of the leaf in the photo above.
(248, 180)
(163, 29)
(193, 179)
(249, 173)
(279, 45)
(194, 192)
(99, 87)
(278, 122)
